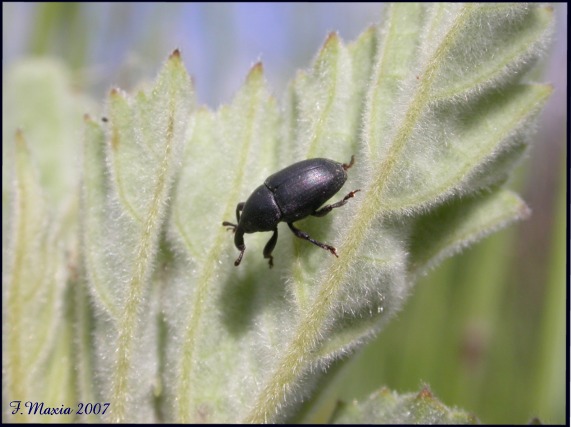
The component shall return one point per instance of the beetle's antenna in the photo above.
(230, 226)
(348, 165)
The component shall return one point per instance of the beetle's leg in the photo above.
(326, 209)
(348, 165)
(239, 208)
(270, 247)
(239, 259)
(239, 242)
(304, 235)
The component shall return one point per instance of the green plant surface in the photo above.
(385, 407)
(129, 272)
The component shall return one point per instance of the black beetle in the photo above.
(288, 196)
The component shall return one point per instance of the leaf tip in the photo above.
(19, 136)
(256, 72)
(524, 212)
(549, 88)
(331, 42)
(425, 393)
(332, 38)
(90, 120)
(116, 95)
(20, 141)
(175, 58)
(330, 48)
(370, 31)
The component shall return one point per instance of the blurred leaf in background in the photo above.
(487, 336)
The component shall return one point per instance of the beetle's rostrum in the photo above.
(288, 196)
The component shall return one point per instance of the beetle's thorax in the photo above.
(260, 213)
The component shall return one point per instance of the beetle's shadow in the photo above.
(245, 296)
(237, 302)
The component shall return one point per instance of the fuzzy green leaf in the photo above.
(33, 281)
(39, 222)
(458, 223)
(209, 318)
(128, 178)
(44, 106)
(386, 407)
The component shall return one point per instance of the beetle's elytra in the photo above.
(288, 196)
